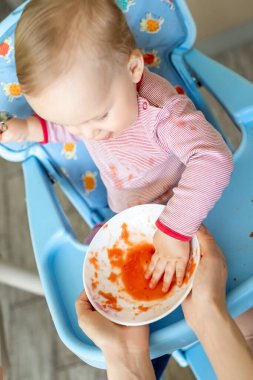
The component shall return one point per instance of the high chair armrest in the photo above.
(240, 299)
(59, 258)
(234, 92)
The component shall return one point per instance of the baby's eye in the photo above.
(103, 116)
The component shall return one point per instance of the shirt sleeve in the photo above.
(55, 133)
(155, 88)
(184, 131)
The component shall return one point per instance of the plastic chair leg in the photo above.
(199, 363)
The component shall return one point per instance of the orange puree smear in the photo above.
(113, 277)
(94, 284)
(133, 264)
(125, 234)
(111, 301)
(115, 255)
(190, 269)
(133, 273)
(94, 261)
(143, 308)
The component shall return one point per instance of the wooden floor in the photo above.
(35, 351)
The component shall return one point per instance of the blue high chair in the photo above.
(165, 31)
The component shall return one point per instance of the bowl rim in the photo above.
(141, 323)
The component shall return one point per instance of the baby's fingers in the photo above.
(158, 272)
(5, 137)
(151, 266)
(168, 276)
(180, 271)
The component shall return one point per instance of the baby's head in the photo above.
(78, 65)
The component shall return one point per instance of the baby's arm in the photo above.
(20, 130)
(185, 133)
(36, 129)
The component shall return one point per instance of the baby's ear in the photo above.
(136, 65)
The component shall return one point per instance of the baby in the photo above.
(81, 72)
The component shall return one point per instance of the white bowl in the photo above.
(108, 295)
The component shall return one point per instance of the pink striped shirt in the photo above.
(170, 155)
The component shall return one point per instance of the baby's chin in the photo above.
(115, 135)
(119, 133)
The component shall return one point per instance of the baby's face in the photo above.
(90, 103)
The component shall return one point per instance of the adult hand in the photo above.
(106, 334)
(17, 131)
(126, 349)
(209, 284)
(205, 311)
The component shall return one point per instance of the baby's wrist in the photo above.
(34, 129)
(25, 130)
(172, 233)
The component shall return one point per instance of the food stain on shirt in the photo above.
(115, 176)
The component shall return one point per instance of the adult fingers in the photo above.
(208, 246)
(206, 240)
(83, 307)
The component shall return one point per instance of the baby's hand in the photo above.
(17, 131)
(171, 257)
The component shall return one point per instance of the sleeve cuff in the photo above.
(171, 232)
(44, 128)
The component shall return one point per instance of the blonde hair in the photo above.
(51, 32)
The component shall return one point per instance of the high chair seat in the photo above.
(165, 31)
